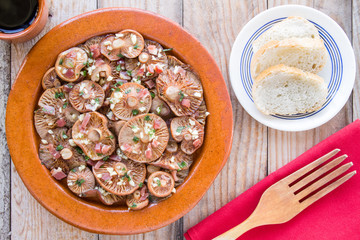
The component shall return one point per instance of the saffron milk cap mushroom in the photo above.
(69, 64)
(50, 79)
(80, 180)
(87, 96)
(144, 138)
(160, 184)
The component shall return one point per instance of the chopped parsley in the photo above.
(136, 46)
(109, 53)
(138, 90)
(120, 55)
(182, 164)
(152, 94)
(99, 154)
(133, 205)
(97, 100)
(158, 182)
(118, 83)
(181, 95)
(79, 182)
(90, 54)
(118, 68)
(61, 61)
(86, 158)
(147, 118)
(79, 150)
(129, 72)
(167, 49)
(59, 95)
(135, 112)
(128, 91)
(59, 147)
(65, 105)
(135, 139)
(81, 93)
(106, 158)
(64, 135)
(83, 73)
(127, 176)
(69, 85)
(141, 184)
(71, 64)
(111, 137)
(179, 129)
(73, 170)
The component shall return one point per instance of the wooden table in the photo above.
(257, 150)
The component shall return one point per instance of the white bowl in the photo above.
(339, 72)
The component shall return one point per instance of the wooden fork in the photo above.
(288, 197)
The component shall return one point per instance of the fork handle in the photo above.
(240, 229)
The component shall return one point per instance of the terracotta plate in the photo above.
(23, 140)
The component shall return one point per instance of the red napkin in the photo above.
(335, 216)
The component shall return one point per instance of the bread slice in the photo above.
(291, 27)
(286, 90)
(307, 54)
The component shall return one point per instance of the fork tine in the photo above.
(318, 173)
(326, 190)
(323, 181)
(294, 176)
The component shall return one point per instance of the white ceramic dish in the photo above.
(339, 72)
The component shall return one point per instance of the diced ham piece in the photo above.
(99, 164)
(106, 176)
(157, 123)
(158, 69)
(173, 173)
(95, 50)
(68, 87)
(143, 93)
(98, 148)
(185, 102)
(150, 84)
(105, 149)
(143, 193)
(197, 143)
(126, 147)
(69, 73)
(148, 152)
(99, 62)
(85, 121)
(57, 173)
(124, 75)
(60, 122)
(91, 162)
(49, 110)
(53, 151)
(151, 68)
(115, 157)
(140, 72)
(71, 54)
(155, 143)
(152, 49)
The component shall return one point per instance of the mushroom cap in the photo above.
(120, 177)
(134, 202)
(189, 132)
(80, 180)
(181, 90)
(87, 96)
(116, 126)
(144, 138)
(159, 107)
(160, 184)
(130, 42)
(50, 79)
(94, 133)
(106, 48)
(102, 71)
(174, 161)
(91, 44)
(129, 100)
(67, 154)
(53, 103)
(104, 196)
(150, 62)
(201, 113)
(69, 64)
(174, 61)
(180, 176)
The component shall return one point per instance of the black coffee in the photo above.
(16, 15)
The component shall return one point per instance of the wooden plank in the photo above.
(173, 10)
(5, 177)
(216, 24)
(285, 146)
(29, 220)
(356, 46)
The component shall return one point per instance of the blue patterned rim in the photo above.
(335, 60)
